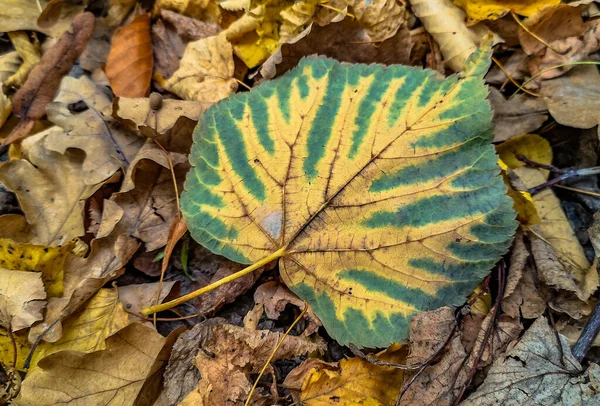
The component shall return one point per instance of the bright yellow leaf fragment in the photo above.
(480, 10)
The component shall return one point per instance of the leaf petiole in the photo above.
(166, 306)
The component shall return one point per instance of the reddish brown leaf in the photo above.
(129, 63)
(30, 101)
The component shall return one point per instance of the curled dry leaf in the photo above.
(31, 100)
(125, 372)
(21, 298)
(51, 190)
(274, 297)
(206, 71)
(538, 370)
(85, 114)
(5, 107)
(29, 54)
(87, 330)
(129, 63)
(446, 24)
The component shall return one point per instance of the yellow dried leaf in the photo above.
(30, 55)
(355, 382)
(9, 64)
(21, 299)
(87, 330)
(7, 350)
(113, 376)
(480, 10)
(5, 107)
(205, 72)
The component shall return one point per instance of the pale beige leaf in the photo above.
(5, 107)
(205, 72)
(9, 64)
(380, 18)
(136, 297)
(21, 298)
(18, 15)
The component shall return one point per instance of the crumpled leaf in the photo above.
(206, 71)
(226, 354)
(51, 191)
(381, 19)
(127, 371)
(345, 41)
(29, 54)
(519, 115)
(354, 381)
(85, 114)
(534, 373)
(480, 10)
(445, 22)
(347, 227)
(30, 102)
(129, 63)
(88, 329)
(21, 298)
(18, 15)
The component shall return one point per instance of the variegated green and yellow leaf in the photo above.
(378, 185)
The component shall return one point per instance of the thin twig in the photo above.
(512, 80)
(534, 35)
(588, 335)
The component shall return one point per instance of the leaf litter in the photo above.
(97, 166)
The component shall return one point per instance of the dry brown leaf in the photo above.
(21, 298)
(51, 191)
(135, 297)
(190, 29)
(129, 63)
(519, 115)
(225, 355)
(172, 124)
(205, 72)
(18, 15)
(380, 18)
(345, 41)
(117, 11)
(168, 48)
(125, 373)
(94, 56)
(203, 10)
(446, 24)
(29, 54)
(274, 297)
(31, 100)
(9, 64)
(85, 113)
(356, 381)
(515, 65)
(88, 329)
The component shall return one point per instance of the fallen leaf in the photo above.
(172, 124)
(30, 57)
(445, 22)
(9, 64)
(225, 355)
(7, 354)
(30, 102)
(134, 297)
(93, 57)
(168, 48)
(190, 29)
(129, 63)
(51, 192)
(133, 357)
(518, 115)
(354, 382)
(274, 297)
(341, 226)
(21, 299)
(85, 114)
(538, 371)
(203, 10)
(206, 71)
(5, 107)
(515, 65)
(574, 99)
(345, 41)
(381, 19)
(18, 15)
(117, 11)
(480, 10)
(88, 329)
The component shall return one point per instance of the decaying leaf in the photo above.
(21, 298)
(205, 73)
(204, 10)
(479, 10)
(133, 356)
(51, 191)
(29, 55)
(9, 64)
(355, 381)
(445, 22)
(538, 370)
(380, 18)
(129, 63)
(88, 329)
(381, 197)
(18, 15)
(7, 348)
(85, 114)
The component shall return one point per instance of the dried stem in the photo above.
(588, 335)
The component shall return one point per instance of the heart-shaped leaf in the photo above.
(377, 186)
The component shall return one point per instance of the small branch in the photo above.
(588, 335)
